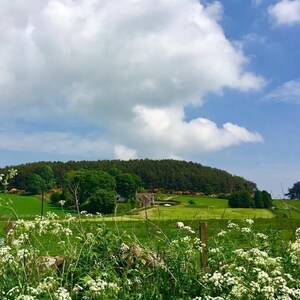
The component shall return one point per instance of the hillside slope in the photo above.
(167, 174)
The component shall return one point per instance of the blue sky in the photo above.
(216, 82)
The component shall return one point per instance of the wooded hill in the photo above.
(166, 174)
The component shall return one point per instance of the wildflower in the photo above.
(246, 230)
(124, 248)
(217, 279)
(62, 202)
(222, 233)
(25, 297)
(77, 288)
(239, 291)
(186, 239)
(98, 286)
(232, 225)
(22, 253)
(249, 221)
(62, 294)
(261, 236)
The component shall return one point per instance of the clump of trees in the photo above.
(294, 191)
(243, 199)
(96, 190)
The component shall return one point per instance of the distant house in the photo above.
(146, 199)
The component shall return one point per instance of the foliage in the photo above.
(88, 181)
(40, 181)
(98, 264)
(102, 201)
(258, 200)
(35, 184)
(262, 199)
(169, 175)
(294, 192)
(127, 185)
(267, 199)
(47, 175)
(240, 199)
(55, 197)
(192, 202)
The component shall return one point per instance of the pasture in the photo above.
(24, 206)
(148, 223)
(145, 254)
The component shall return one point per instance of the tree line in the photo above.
(167, 175)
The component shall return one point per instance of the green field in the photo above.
(24, 206)
(285, 217)
(145, 245)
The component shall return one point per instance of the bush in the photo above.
(191, 202)
(240, 199)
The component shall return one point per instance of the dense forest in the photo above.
(167, 175)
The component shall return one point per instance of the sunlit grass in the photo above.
(24, 206)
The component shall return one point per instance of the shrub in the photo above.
(240, 199)
(192, 202)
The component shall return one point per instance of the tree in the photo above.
(47, 175)
(294, 192)
(101, 201)
(258, 200)
(40, 182)
(88, 181)
(35, 184)
(240, 199)
(267, 199)
(127, 185)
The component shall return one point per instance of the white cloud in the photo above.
(288, 92)
(124, 153)
(104, 60)
(285, 12)
(54, 142)
(168, 129)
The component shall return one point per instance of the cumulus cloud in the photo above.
(110, 62)
(288, 92)
(178, 136)
(285, 12)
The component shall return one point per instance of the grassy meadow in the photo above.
(148, 224)
(24, 206)
(143, 255)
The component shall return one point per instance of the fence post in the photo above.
(203, 234)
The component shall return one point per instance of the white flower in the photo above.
(249, 221)
(261, 236)
(124, 248)
(232, 225)
(62, 294)
(62, 202)
(25, 297)
(222, 233)
(246, 230)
